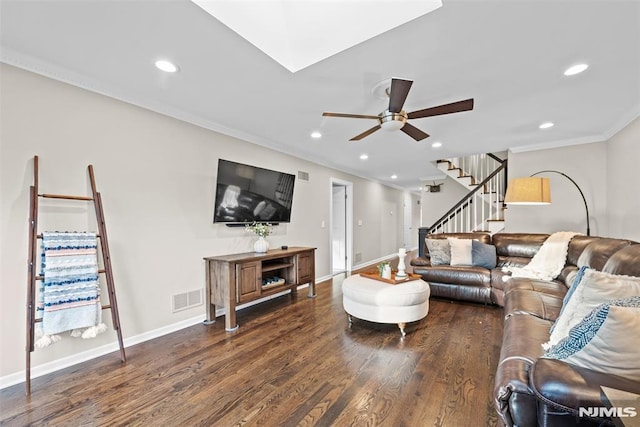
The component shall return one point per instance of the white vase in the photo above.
(261, 245)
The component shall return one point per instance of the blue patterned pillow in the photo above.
(605, 340)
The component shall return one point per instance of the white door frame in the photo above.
(349, 221)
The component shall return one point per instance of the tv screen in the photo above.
(247, 193)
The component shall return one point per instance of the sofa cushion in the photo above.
(553, 287)
(524, 245)
(563, 388)
(576, 247)
(458, 275)
(521, 347)
(524, 301)
(594, 289)
(601, 341)
(596, 253)
(626, 261)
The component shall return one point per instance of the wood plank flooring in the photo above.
(293, 362)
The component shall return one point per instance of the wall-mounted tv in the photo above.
(246, 193)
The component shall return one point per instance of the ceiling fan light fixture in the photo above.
(546, 125)
(436, 144)
(393, 121)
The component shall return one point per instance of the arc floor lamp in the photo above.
(534, 190)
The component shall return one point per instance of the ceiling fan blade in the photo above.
(454, 107)
(414, 132)
(398, 94)
(350, 116)
(365, 133)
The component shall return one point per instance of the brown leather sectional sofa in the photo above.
(530, 390)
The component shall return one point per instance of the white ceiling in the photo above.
(507, 55)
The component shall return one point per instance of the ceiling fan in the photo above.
(394, 117)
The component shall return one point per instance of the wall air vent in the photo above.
(303, 176)
(186, 300)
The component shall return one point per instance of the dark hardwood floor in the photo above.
(292, 362)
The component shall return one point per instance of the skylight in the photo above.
(298, 33)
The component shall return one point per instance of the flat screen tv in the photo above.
(246, 193)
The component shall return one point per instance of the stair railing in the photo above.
(473, 212)
(479, 166)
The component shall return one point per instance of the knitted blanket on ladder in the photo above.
(69, 294)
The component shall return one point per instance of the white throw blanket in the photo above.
(547, 264)
(69, 294)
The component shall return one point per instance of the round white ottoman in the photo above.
(381, 302)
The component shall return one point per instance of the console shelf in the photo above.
(272, 267)
(236, 279)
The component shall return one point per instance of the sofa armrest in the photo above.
(421, 262)
(563, 388)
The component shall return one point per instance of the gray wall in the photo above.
(623, 191)
(157, 177)
(587, 165)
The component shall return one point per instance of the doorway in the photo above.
(341, 220)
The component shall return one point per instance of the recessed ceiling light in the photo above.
(394, 176)
(575, 69)
(437, 144)
(316, 135)
(546, 125)
(364, 156)
(166, 66)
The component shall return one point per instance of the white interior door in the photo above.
(407, 221)
(341, 225)
(339, 228)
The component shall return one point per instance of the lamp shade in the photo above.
(532, 190)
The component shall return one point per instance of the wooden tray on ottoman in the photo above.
(373, 274)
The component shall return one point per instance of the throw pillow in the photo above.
(594, 289)
(483, 255)
(567, 297)
(439, 251)
(460, 251)
(604, 340)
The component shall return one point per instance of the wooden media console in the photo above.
(240, 278)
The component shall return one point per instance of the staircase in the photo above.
(482, 209)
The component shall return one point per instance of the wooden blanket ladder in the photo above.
(33, 277)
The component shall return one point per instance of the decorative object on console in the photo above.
(537, 191)
(262, 230)
(402, 253)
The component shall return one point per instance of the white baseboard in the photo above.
(65, 362)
